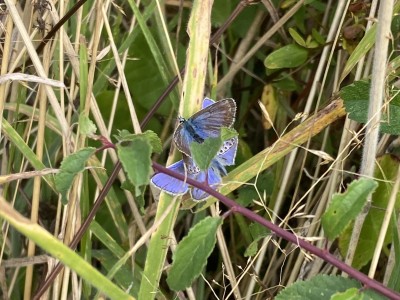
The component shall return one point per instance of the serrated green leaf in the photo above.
(204, 153)
(289, 56)
(323, 287)
(154, 141)
(86, 126)
(124, 136)
(297, 37)
(136, 160)
(192, 252)
(345, 207)
(356, 99)
(71, 166)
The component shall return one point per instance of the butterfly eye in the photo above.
(181, 120)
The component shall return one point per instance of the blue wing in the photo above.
(183, 139)
(170, 184)
(205, 123)
(207, 102)
(213, 181)
(226, 155)
(214, 116)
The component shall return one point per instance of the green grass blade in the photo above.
(60, 251)
(196, 64)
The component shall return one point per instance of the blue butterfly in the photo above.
(225, 157)
(205, 123)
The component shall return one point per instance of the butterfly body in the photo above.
(192, 131)
(202, 125)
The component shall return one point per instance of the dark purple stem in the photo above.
(321, 253)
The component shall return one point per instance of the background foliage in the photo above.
(68, 108)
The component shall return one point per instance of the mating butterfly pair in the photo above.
(206, 123)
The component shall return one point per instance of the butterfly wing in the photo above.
(170, 184)
(205, 123)
(207, 102)
(227, 153)
(183, 139)
(208, 121)
(213, 181)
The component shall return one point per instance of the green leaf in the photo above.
(228, 133)
(86, 126)
(136, 160)
(350, 294)
(154, 141)
(192, 252)
(70, 166)
(258, 232)
(310, 43)
(289, 56)
(318, 37)
(345, 207)
(356, 101)
(355, 97)
(251, 249)
(323, 287)
(204, 153)
(297, 37)
(127, 185)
